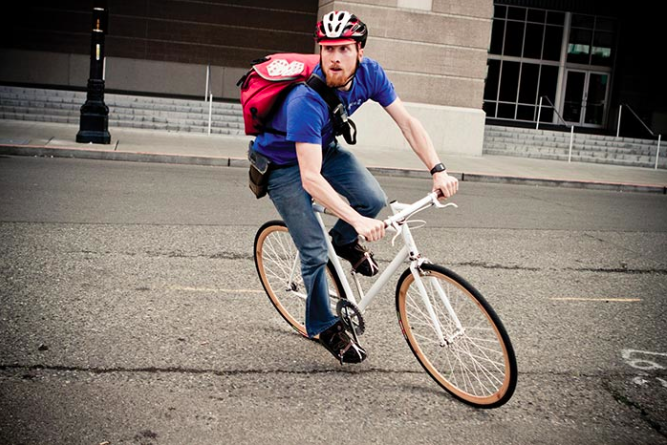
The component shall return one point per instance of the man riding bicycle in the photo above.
(308, 164)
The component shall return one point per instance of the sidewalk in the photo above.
(24, 138)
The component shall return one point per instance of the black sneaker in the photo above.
(336, 341)
(361, 259)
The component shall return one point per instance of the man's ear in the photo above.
(361, 52)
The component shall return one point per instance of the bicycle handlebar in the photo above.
(406, 211)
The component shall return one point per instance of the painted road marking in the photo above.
(211, 289)
(611, 300)
(640, 363)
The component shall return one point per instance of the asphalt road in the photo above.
(130, 313)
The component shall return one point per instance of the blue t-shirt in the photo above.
(304, 116)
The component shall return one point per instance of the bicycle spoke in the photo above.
(474, 363)
(280, 272)
(471, 363)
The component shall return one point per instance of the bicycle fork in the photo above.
(435, 322)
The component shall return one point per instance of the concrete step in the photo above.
(560, 135)
(39, 118)
(122, 105)
(79, 97)
(518, 146)
(640, 161)
(132, 115)
(576, 151)
(175, 127)
(581, 139)
(546, 144)
(62, 106)
(645, 148)
(154, 123)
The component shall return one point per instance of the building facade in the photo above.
(456, 63)
(581, 60)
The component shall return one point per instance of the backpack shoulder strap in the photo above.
(328, 94)
(342, 123)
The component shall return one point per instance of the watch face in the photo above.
(438, 168)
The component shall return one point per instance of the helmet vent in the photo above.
(341, 25)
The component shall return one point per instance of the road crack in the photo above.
(170, 254)
(637, 407)
(619, 270)
(26, 369)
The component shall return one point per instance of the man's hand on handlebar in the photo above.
(447, 185)
(370, 229)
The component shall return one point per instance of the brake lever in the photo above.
(442, 206)
(394, 225)
(436, 202)
(398, 228)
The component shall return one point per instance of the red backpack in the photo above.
(265, 86)
(268, 82)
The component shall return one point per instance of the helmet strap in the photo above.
(352, 76)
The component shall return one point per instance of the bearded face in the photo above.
(339, 62)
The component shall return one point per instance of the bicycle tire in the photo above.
(478, 367)
(275, 254)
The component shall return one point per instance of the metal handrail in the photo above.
(555, 111)
(641, 121)
(571, 127)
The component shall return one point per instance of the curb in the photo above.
(112, 155)
(521, 180)
(566, 183)
(221, 161)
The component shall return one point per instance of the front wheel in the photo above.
(473, 359)
(279, 270)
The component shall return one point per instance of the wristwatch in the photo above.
(440, 167)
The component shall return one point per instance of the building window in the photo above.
(591, 40)
(525, 50)
(524, 57)
(529, 33)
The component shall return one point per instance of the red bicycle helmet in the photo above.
(341, 28)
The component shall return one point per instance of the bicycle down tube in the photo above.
(380, 281)
(408, 252)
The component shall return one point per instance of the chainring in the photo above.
(351, 316)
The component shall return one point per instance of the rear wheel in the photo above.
(476, 363)
(279, 270)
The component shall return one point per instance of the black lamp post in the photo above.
(94, 122)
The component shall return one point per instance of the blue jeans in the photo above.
(350, 179)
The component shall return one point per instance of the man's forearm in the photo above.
(414, 132)
(421, 143)
(322, 192)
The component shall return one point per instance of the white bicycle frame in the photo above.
(409, 252)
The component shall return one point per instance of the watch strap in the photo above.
(439, 167)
